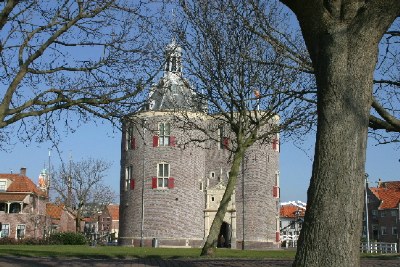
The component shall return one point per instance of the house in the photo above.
(61, 220)
(383, 212)
(170, 188)
(22, 207)
(109, 221)
(291, 221)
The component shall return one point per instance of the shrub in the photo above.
(8, 241)
(67, 238)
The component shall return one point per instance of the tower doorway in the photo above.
(225, 236)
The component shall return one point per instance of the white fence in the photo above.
(378, 247)
(289, 241)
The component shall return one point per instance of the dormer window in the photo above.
(3, 185)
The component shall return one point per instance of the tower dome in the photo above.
(173, 92)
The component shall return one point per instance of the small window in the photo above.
(128, 176)
(393, 213)
(3, 185)
(383, 213)
(164, 134)
(212, 199)
(162, 175)
(130, 140)
(20, 231)
(5, 230)
(212, 175)
(201, 186)
(374, 213)
(394, 230)
(383, 230)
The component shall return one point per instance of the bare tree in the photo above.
(342, 41)
(61, 59)
(249, 86)
(82, 183)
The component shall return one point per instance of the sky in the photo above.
(101, 141)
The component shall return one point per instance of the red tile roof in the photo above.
(12, 197)
(289, 211)
(54, 211)
(388, 193)
(21, 183)
(113, 210)
(393, 185)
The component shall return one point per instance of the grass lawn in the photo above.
(134, 252)
(138, 252)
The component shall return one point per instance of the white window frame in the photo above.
(3, 185)
(128, 176)
(128, 138)
(5, 230)
(164, 133)
(163, 174)
(394, 230)
(20, 227)
(383, 230)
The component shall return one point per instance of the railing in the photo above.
(289, 241)
(378, 247)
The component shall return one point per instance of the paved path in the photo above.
(12, 261)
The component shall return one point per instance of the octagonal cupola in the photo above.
(173, 91)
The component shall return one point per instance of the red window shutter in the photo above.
(172, 140)
(274, 144)
(155, 140)
(275, 191)
(132, 184)
(277, 236)
(171, 182)
(133, 143)
(226, 142)
(154, 182)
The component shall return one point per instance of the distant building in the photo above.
(109, 222)
(383, 212)
(61, 219)
(22, 207)
(291, 222)
(170, 188)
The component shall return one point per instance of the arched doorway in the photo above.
(224, 236)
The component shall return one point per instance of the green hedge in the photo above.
(67, 238)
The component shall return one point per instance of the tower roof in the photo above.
(173, 92)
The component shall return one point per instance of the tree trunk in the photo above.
(211, 242)
(344, 54)
(78, 221)
(332, 227)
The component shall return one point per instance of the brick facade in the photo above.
(180, 216)
(22, 207)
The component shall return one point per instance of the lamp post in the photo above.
(143, 165)
(366, 211)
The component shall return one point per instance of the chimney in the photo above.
(380, 183)
(23, 171)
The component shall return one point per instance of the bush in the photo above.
(8, 241)
(67, 238)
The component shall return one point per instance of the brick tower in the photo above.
(170, 188)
